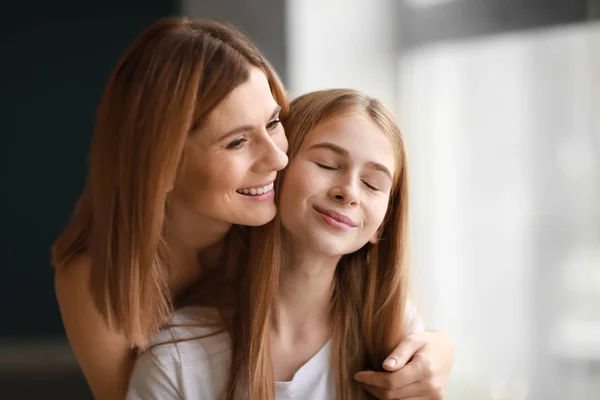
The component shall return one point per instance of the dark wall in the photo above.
(55, 59)
(54, 63)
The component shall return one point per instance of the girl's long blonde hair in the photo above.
(370, 286)
(161, 91)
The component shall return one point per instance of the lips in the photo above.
(339, 217)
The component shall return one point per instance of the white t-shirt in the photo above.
(199, 369)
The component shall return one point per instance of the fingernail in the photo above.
(357, 377)
(390, 362)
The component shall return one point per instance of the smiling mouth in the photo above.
(257, 190)
(336, 217)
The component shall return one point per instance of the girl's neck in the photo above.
(303, 301)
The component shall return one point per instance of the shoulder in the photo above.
(72, 281)
(195, 326)
(73, 292)
(74, 295)
(189, 357)
(76, 271)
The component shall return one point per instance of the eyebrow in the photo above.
(343, 152)
(246, 128)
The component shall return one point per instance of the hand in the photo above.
(418, 369)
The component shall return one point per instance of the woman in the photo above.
(187, 143)
(325, 293)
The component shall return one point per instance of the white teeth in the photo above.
(257, 191)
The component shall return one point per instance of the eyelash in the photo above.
(273, 124)
(236, 144)
(373, 188)
(328, 168)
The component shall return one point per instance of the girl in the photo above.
(324, 294)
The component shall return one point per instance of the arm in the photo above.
(104, 355)
(420, 367)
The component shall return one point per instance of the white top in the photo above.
(199, 369)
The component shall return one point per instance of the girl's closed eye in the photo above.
(326, 166)
(236, 144)
(371, 186)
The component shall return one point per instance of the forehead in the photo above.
(248, 104)
(364, 140)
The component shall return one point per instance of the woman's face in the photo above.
(336, 190)
(230, 164)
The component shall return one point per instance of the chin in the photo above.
(333, 246)
(328, 248)
(258, 218)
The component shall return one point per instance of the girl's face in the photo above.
(336, 189)
(229, 166)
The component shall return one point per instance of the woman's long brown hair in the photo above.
(370, 285)
(161, 91)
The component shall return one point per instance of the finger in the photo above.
(380, 379)
(377, 392)
(411, 398)
(389, 395)
(401, 355)
(414, 389)
(390, 380)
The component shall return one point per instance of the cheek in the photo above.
(201, 178)
(377, 212)
(294, 191)
(192, 184)
(288, 190)
(281, 141)
(300, 182)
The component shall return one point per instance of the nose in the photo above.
(272, 155)
(345, 193)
